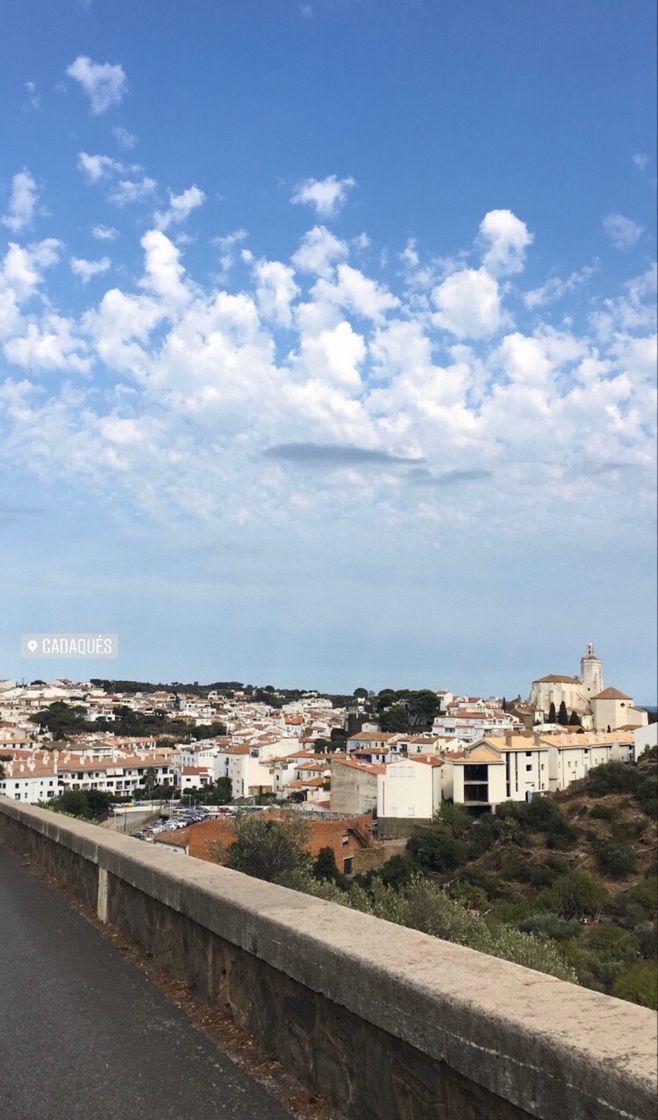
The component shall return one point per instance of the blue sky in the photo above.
(327, 338)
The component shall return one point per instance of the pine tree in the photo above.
(575, 720)
(552, 717)
(563, 715)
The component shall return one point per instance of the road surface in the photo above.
(85, 1034)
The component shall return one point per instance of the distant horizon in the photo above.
(280, 687)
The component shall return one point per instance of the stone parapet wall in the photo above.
(386, 1022)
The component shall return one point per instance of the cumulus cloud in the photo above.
(327, 196)
(621, 232)
(180, 207)
(275, 291)
(468, 304)
(319, 251)
(127, 191)
(86, 270)
(103, 83)
(507, 238)
(95, 168)
(104, 233)
(406, 405)
(22, 202)
(123, 137)
(227, 246)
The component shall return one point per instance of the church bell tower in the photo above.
(591, 672)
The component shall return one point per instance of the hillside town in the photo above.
(330, 759)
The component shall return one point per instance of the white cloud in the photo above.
(104, 233)
(195, 381)
(328, 196)
(123, 137)
(32, 99)
(468, 304)
(180, 207)
(95, 168)
(52, 345)
(86, 270)
(163, 272)
(227, 246)
(621, 232)
(127, 191)
(508, 238)
(318, 252)
(103, 83)
(275, 291)
(357, 293)
(22, 202)
(640, 160)
(556, 288)
(333, 356)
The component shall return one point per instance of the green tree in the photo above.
(267, 848)
(395, 719)
(575, 720)
(576, 895)
(610, 943)
(639, 984)
(75, 802)
(552, 716)
(433, 849)
(150, 781)
(563, 715)
(325, 867)
(616, 859)
(360, 694)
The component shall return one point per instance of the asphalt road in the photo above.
(84, 1034)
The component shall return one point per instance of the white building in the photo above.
(599, 708)
(412, 788)
(612, 709)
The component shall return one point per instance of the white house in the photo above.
(411, 788)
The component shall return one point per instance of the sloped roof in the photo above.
(611, 694)
(556, 678)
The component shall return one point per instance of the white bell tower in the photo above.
(591, 672)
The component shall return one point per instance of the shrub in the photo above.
(647, 796)
(613, 777)
(610, 943)
(481, 879)
(470, 896)
(576, 895)
(616, 859)
(603, 812)
(435, 850)
(639, 984)
(550, 926)
(267, 848)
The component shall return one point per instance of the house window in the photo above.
(347, 865)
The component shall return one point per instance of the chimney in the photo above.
(508, 738)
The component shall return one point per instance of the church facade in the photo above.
(599, 708)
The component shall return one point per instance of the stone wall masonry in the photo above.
(388, 1023)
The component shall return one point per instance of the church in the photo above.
(599, 708)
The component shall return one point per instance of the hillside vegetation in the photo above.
(565, 885)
